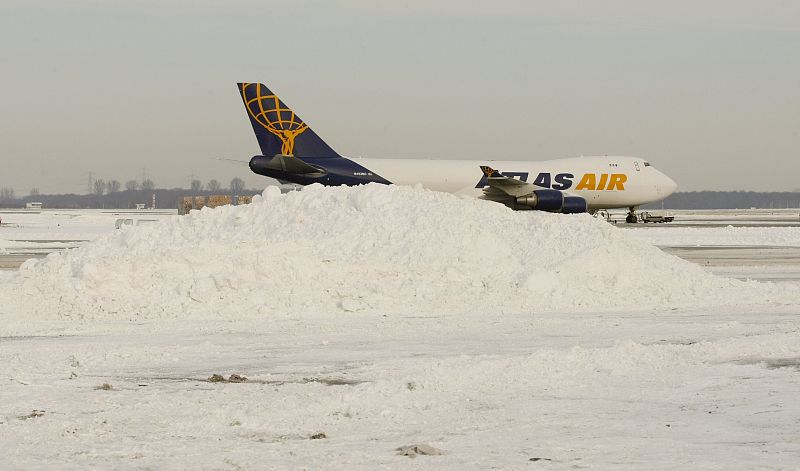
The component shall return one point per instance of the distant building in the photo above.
(33, 205)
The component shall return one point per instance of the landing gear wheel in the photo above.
(631, 218)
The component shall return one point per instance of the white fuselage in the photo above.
(604, 182)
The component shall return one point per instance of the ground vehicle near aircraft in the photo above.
(647, 216)
(293, 152)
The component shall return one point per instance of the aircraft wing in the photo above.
(507, 185)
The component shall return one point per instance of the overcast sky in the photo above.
(708, 91)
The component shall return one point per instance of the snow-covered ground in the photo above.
(749, 250)
(34, 232)
(385, 317)
(730, 236)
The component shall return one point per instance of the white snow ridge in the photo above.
(373, 249)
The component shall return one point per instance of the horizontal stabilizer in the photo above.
(289, 164)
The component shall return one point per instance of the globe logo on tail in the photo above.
(267, 110)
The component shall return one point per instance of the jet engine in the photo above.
(553, 201)
(574, 204)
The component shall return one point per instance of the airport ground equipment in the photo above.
(646, 216)
(188, 203)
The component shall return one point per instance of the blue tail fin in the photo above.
(278, 129)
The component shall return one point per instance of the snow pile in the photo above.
(373, 249)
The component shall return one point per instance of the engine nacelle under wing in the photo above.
(553, 201)
(574, 205)
(543, 200)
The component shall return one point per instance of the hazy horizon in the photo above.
(707, 91)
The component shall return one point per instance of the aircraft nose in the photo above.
(668, 185)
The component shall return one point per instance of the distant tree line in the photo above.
(102, 187)
(7, 194)
(730, 200)
(109, 194)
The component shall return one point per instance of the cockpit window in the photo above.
(647, 164)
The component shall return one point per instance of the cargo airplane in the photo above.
(293, 152)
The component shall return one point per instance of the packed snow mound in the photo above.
(373, 249)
